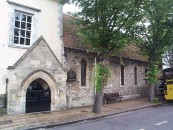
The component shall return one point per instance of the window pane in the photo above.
(22, 41)
(146, 75)
(83, 73)
(28, 34)
(27, 41)
(23, 25)
(16, 40)
(22, 33)
(17, 24)
(135, 75)
(122, 74)
(16, 32)
(23, 17)
(17, 16)
(28, 26)
(29, 19)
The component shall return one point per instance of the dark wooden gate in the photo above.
(37, 98)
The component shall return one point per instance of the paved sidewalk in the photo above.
(41, 119)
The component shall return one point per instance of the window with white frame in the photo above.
(22, 29)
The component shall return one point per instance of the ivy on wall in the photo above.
(102, 74)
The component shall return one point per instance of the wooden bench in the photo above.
(112, 97)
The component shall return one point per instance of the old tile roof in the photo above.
(70, 37)
(132, 52)
(72, 40)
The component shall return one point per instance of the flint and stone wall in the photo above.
(84, 95)
(78, 95)
(129, 89)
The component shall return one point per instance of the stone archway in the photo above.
(48, 79)
(38, 96)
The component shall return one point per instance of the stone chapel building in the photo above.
(127, 78)
(38, 49)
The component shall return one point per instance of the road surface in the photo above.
(156, 118)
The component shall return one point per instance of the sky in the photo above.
(69, 8)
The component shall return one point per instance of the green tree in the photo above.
(105, 26)
(155, 35)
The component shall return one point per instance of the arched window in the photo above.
(122, 74)
(135, 75)
(83, 72)
(146, 71)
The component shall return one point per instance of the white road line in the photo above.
(161, 123)
(141, 129)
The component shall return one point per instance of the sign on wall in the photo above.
(71, 76)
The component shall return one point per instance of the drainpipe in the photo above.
(6, 95)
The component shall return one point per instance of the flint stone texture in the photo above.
(78, 95)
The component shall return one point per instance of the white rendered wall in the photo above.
(46, 22)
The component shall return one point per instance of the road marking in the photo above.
(161, 123)
(141, 129)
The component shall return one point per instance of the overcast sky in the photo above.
(69, 8)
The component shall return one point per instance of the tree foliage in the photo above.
(154, 32)
(105, 26)
(155, 35)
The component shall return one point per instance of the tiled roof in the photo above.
(70, 37)
(132, 52)
(72, 40)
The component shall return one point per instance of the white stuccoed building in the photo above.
(24, 23)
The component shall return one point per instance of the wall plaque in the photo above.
(71, 76)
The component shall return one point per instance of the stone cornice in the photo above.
(23, 5)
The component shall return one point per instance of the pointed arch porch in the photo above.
(39, 74)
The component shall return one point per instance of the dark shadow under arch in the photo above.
(38, 96)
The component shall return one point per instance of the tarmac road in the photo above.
(155, 118)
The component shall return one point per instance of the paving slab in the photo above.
(47, 119)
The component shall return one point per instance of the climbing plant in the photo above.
(101, 77)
